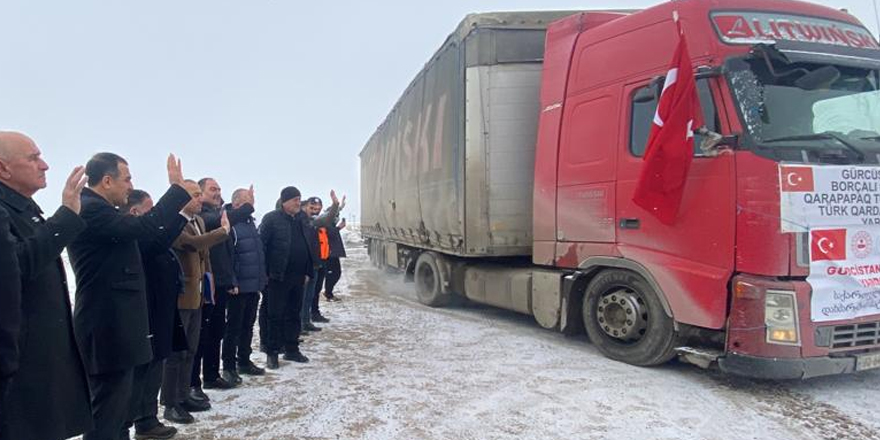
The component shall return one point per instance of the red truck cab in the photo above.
(725, 274)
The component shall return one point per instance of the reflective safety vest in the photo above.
(323, 243)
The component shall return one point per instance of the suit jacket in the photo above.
(193, 251)
(50, 383)
(110, 316)
(164, 286)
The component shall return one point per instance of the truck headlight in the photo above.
(781, 319)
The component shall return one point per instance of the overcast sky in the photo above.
(270, 92)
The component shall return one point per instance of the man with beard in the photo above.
(110, 316)
(316, 225)
(47, 397)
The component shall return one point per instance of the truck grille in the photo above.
(855, 336)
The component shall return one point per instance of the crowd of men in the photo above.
(167, 295)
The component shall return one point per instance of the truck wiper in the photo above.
(826, 135)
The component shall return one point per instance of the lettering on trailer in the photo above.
(828, 196)
(757, 27)
(414, 141)
(844, 273)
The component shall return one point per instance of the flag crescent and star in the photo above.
(670, 150)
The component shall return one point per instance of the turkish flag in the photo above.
(796, 179)
(670, 148)
(828, 244)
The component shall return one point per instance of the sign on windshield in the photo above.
(758, 27)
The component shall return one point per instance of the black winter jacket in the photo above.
(285, 244)
(337, 245)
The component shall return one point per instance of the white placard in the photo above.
(815, 196)
(844, 273)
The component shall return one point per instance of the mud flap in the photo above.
(572, 321)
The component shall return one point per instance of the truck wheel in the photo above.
(429, 288)
(624, 318)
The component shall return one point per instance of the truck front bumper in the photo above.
(785, 368)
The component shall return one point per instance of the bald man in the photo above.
(48, 397)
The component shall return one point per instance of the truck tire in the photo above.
(625, 320)
(429, 284)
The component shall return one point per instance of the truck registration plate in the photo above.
(867, 361)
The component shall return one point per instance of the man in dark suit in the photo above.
(110, 316)
(164, 285)
(48, 396)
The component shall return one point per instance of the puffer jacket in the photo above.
(284, 252)
(249, 258)
(221, 254)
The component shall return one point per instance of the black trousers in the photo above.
(111, 404)
(284, 305)
(264, 321)
(145, 395)
(241, 313)
(334, 273)
(177, 375)
(320, 274)
(213, 327)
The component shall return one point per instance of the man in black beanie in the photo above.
(288, 260)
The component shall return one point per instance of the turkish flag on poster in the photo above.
(670, 148)
(797, 179)
(828, 244)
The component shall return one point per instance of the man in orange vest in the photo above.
(319, 224)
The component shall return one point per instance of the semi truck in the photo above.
(505, 174)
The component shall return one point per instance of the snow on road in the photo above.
(387, 367)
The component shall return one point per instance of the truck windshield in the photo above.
(784, 104)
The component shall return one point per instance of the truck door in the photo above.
(693, 259)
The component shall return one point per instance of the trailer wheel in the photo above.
(624, 318)
(429, 288)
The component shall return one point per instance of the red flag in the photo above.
(670, 147)
(828, 244)
(796, 179)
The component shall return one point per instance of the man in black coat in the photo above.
(289, 258)
(334, 265)
(164, 284)
(110, 316)
(10, 306)
(214, 315)
(48, 396)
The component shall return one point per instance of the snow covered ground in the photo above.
(387, 367)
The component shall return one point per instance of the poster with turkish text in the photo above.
(844, 272)
(828, 196)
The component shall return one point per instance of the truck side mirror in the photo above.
(715, 144)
